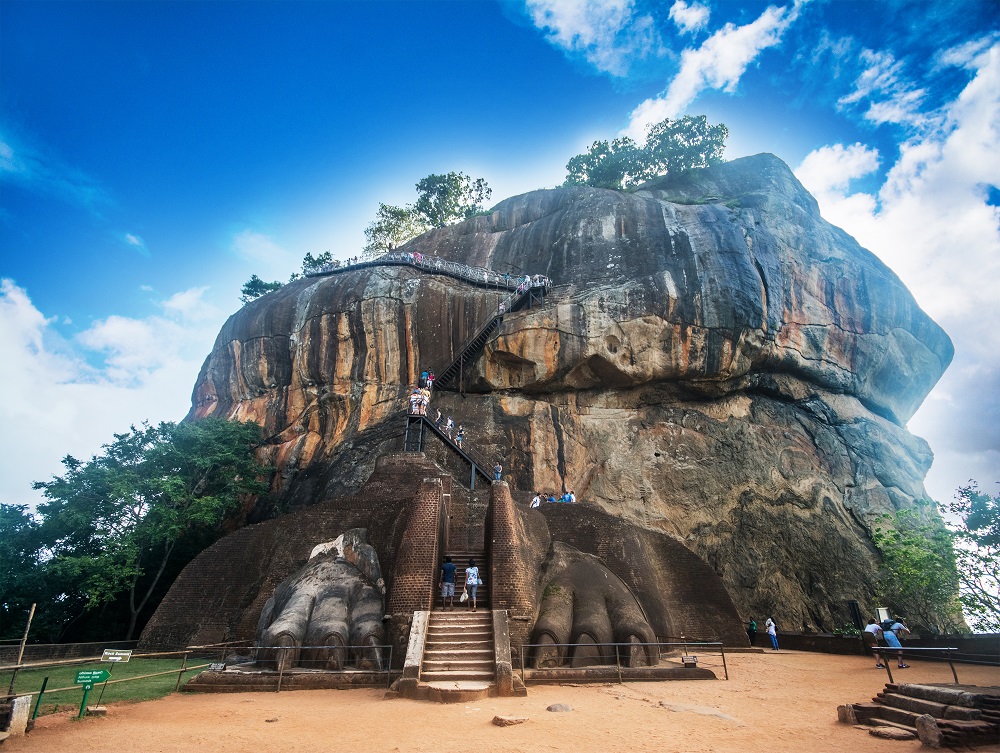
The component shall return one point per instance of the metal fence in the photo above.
(622, 656)
(476, 275)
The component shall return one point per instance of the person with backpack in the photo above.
(459, 436)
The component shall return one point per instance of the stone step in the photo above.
(921, 706)
(461, 653)
(458, 675)
(900, 716)
(461, 617)
(879, 722)
(453, 636)
(458, 665)
(453, 646)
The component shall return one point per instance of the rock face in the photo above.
(716, 362)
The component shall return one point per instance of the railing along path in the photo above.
(516, 285)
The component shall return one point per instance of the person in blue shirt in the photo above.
(447, 583)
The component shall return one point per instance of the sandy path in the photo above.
(773, 703)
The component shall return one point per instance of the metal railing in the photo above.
(922, 653)
(655, 654)
(372, 658)
(479, 276)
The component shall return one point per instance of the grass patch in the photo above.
(146, 689)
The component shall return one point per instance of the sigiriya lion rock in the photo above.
(714, 364)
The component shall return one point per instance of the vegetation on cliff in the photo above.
(671, 147)
(114, 530)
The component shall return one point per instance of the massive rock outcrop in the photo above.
(716, 362)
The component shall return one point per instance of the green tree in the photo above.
(111, 524)
(671, 147)
(617, 165)
(919, 577)
(255, 287)
(977, 551)
(312, 263)
(443, 199)
(392, 227)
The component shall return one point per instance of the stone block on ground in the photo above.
(509, 721)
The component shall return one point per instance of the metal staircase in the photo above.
(417, 430)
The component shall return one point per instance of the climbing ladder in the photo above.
(450, 378)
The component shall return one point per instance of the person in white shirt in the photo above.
(472, 582)
(871, 637)
(536, 501)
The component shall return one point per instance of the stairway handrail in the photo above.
(471, 457)
(480, 276)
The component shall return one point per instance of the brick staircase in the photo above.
(940, 715)
(461, 560)
(459, 649)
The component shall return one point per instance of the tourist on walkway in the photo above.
(552, 498)
(536, 501)
(459, 436)
(472, 582)
(415, 402)
(497, 471)
(871, 636)
(752, 630)
(423, 378)
(447, 584)
(430, 379)
(438, 419)
(892, 639)
(772, 631)
(449, 427)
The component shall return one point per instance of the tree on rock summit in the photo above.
(671, 147)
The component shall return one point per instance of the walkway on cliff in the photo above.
(518, 286)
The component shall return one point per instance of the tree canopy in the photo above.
(920, 577)
(109, 527)
(976, 532)
(441, 200)
(255, 287)
(448, 198)
(671, 147)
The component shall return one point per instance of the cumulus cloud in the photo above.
(718, 63)
(891, 97)
(73, 394)
(689, 18)
(931, 223)
(610, 34)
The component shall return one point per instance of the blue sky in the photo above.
(155, 155)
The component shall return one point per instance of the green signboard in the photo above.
(91, 676)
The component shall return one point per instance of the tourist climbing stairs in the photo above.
(415, 439)
(450, 377)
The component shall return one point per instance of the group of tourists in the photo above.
(769, 627)
(567, 497)
(886, 634)
(446, 582)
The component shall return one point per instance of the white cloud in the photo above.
(718, 63)
(931, 224)
(834, 167)
(134, 240)
(610, 34)
(891, 97)
(59, 404)
(689, 18)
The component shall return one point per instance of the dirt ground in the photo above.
(773, 702)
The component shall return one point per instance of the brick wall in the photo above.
(512, 562)
(416, 562)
